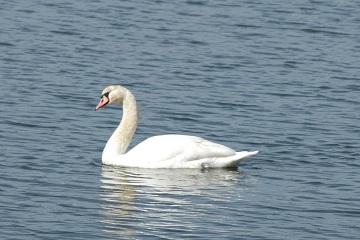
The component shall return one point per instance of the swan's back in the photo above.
(167, 146)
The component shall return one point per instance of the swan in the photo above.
(163, 151)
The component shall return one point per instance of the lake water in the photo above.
(276, 76)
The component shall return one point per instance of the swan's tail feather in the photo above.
(249, 153)
(241, 156)
(228, 162)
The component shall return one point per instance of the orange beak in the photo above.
(103, 101)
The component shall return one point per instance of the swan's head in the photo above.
(112, 94)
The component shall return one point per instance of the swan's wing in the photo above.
(176, 149)
(207, 149)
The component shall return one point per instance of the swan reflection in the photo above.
(137, 199)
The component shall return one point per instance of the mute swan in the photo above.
(164, 151)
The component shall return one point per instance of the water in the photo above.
(277, 76)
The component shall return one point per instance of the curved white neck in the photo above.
(121, 138)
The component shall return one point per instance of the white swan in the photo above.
(164, 151)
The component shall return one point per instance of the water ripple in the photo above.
(276, 77)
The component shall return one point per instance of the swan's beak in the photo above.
(103, 101)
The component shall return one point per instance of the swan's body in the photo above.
(164, 151)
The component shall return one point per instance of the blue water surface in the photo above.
(277, 76)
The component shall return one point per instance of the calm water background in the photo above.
(280, 76)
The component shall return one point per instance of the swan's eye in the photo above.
(105, 94)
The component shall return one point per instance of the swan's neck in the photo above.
(121, 138)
